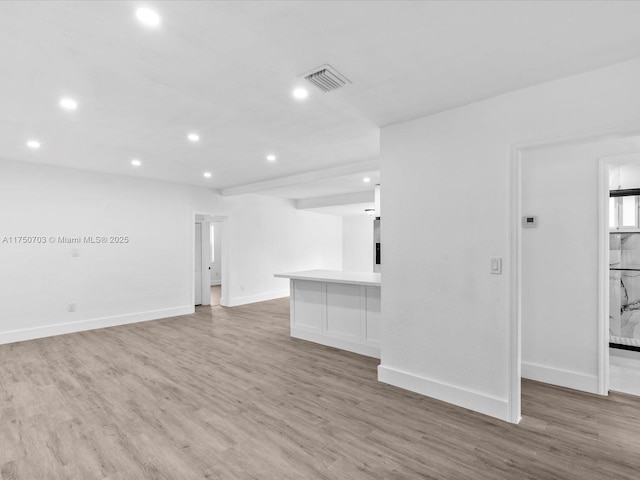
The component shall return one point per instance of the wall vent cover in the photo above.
(326, 78)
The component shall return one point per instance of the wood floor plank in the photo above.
(227, 394)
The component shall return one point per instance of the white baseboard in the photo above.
(478, 402)
(215, 284)
(237, 301)
(359, 348)
(559, 377)
(21, 335)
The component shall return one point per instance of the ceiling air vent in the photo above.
(326, 78)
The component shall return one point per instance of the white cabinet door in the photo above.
(371, 334)
(343, 312)
(308, 307)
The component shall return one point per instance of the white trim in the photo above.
(205, 262)
(237, 301)
(603, 277)
(21, 335)
(335, 342)
(192, 236)
(225, 253)
(515, 341)
(560, 377)
(462, 397)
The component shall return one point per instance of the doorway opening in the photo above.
(210, 261)
(215, 262)
(623, 175)
(560, 261)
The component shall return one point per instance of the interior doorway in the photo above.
(559, 261)
(623, 225)
(215, 293)
(215, 263)
(199, 278)
(210, 260)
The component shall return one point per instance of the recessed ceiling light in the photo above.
(271, 158)
(366, 179)
(148, 17)
(194, 137)
(135, 162)
(33, 144)
(300, 93)
(207, 174)
(68, 103)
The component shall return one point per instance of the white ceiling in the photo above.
(227, 69)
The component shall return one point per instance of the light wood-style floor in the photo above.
(216, 291)
(227, 394)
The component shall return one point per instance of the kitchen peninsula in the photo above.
(338, 309)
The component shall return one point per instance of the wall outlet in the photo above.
(242, 288)
(495, 266)
(71, 307)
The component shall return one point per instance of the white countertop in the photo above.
(335, 276)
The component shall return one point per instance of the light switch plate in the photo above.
(495, 266)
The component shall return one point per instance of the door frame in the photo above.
(623, 130)
(603, 229)
(203, 237)
(224, 252)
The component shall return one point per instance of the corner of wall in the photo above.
(461, 397)
(262, 297)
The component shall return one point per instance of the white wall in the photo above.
(560, 262)
(267, 235)
(151, 276)
(148, 277)
(357, 243)
(445, 318)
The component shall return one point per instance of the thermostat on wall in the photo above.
(529, 221)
